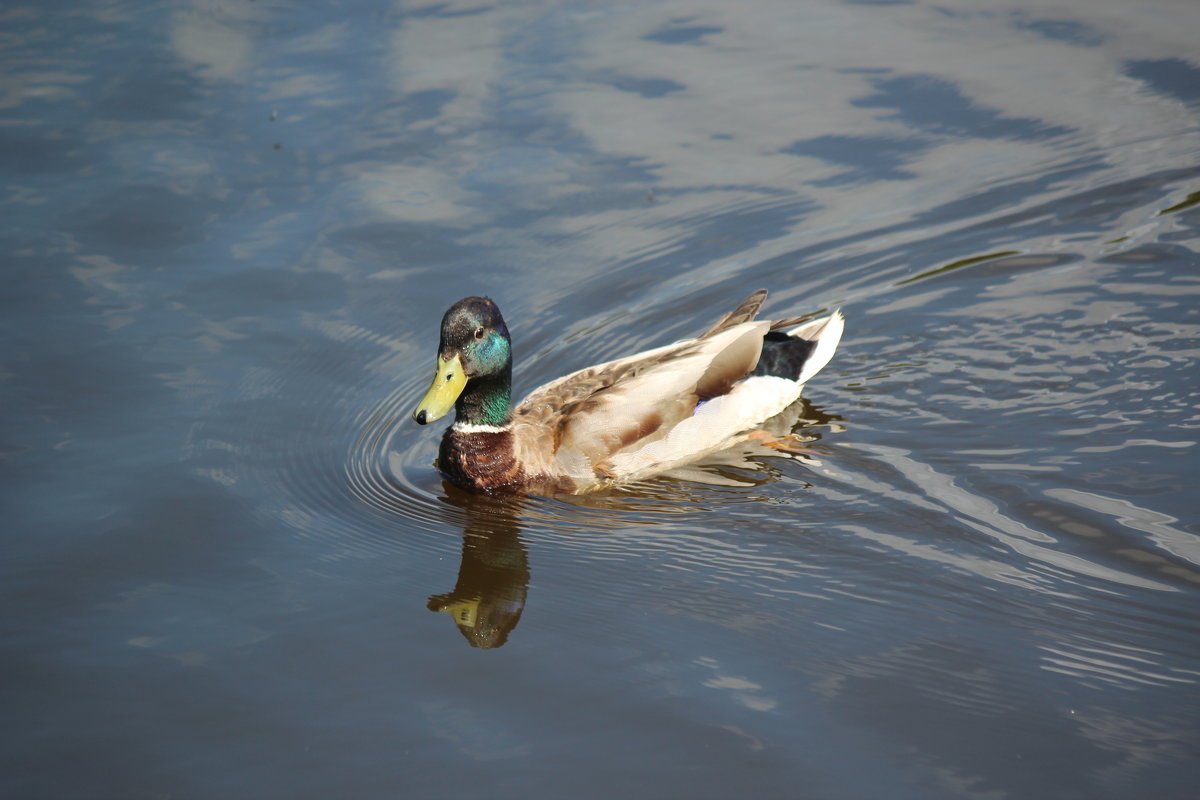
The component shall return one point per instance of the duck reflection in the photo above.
(493, 578)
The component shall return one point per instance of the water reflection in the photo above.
(493, 577)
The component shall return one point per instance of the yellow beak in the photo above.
(447, 385)
(465, 612)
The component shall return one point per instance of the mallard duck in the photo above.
(620, 421)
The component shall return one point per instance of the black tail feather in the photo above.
(783, 356)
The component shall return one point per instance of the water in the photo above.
(230, 231)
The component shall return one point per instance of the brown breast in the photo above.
(480, 460)
(484, 460)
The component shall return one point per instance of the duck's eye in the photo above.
(479, 333)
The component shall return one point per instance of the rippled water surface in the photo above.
(230, 230)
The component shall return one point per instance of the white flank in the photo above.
(716, 425)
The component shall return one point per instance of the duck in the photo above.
(620, 421)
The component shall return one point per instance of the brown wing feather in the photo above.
(789, 322)
(556, 404)
(543, 420)
(743, 313)
(591, 414)
(568, 394)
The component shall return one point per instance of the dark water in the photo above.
(229, 233)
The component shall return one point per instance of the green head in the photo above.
(474, 369)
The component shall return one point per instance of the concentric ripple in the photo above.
(381, 468)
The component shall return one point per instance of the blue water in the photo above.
(230, 230)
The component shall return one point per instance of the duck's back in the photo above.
(579, 425)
